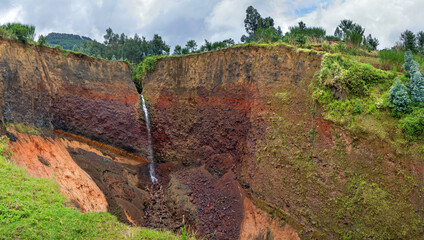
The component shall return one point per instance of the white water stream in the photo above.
(149, 142)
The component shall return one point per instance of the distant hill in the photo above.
(65, 40)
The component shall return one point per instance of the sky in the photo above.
(178, 21)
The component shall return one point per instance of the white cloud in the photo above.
(11, 15)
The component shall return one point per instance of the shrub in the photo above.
(413, 124)
(399, 96)
(41, 40)
(300, 39)
(147, 65)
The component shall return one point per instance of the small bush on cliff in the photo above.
(147, 65)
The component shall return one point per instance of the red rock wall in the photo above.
(210, 109)
(75, 93)
(247, 112)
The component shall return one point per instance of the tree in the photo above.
(159, 46)
(410, 65)
(416, 87)
(408, 41)
(177, 50)
(398, 96)
(420, 41)
(258, 28)
(253, 20)
(372, 43)
(108, 36)
(191, 46)
(350, 32)
(41, 40)
(300, 39)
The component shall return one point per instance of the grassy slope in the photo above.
(32, 208)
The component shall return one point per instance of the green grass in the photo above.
(390, 58)
(22, 128)
(32, 208)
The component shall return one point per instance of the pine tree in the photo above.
(399, 96)
(416, 86)
(408, 61)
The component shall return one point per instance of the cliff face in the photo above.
(213, 109)
(74, 93)
(243, 120)
(237, 139)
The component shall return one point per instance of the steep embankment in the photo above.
(75, 93)
(244, 118)
(92, 98)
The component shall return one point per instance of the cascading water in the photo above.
(149, 142)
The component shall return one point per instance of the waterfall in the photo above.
(149, 141)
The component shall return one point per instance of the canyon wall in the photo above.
(242, 149)
(210, 111)
(242, 122)
(48, 88)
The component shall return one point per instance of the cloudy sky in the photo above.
(180, 20)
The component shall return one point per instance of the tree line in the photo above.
(258, 29)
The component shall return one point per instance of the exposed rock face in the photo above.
(47, 157)
(248, 112)
(74, 93)
(258, 225)
(210, 109)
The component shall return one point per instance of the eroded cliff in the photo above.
(242, 150)
(49, 89)
(243, 121)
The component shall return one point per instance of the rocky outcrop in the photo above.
(48, 157)
(49, 88)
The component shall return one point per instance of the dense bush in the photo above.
(348, 76)
(413, 124)
(301, 34)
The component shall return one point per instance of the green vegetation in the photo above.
(259, 29)
(66, 41)
(399, 97)
(28, 129)
(17, 31)
(122, 47)
(301, 34)
(355, 93)
(373, 213)
(140, 71)
(32, 208)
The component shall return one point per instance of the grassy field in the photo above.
(32, 208)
